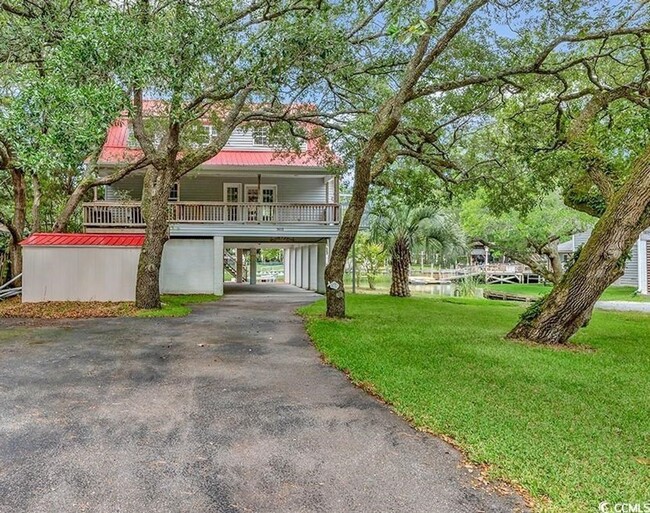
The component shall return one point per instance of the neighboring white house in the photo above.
(637, 268)
(249, 196)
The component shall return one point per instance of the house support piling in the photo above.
(252, 268)
(320, 273)
(218, 266)
(240, 266)
(313, 267)
(305, 267)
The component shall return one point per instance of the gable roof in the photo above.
(117, 151)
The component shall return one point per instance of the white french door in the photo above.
(232, 194)
(269, 195)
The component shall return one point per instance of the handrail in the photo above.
(211, 203)
(129, 213)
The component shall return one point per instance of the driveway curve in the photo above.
(227, 410)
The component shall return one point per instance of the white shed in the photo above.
(80, 266)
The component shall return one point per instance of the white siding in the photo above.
(130, 188)
(579, 239)
(644, 266)
(85, 273)
(631, 275)
(210, 188)
(242, 139)
(90, 273)
(188, 267)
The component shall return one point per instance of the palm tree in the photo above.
(403, 229)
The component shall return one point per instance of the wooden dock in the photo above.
(492, 274)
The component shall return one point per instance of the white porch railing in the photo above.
(129, 214)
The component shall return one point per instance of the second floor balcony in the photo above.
(120, 215)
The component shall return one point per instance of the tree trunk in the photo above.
(386, 122)
(17, 228)
(16, 255)
(555, 262)
(36, 204)
(155, 195)
(70, 206)
(401, 264)
(335, 269)
(600, 263)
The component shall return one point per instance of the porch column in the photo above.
(298, 267)
(305, 267)
(240, 266)
(643, 266)
(337, 196)
(320, 268)
(294, 266)
(313, 267)
(252, 268)
(287, 265)
(218, 266)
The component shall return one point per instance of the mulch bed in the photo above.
(13, 308)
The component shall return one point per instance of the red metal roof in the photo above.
(116, 151)
(84, 239)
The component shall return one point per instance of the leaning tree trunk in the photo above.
(400, 264)
(16, 256)
(155, 196)
(600, 263)
(335, 269)
(555, 262)
(386, 121)
(62, 220)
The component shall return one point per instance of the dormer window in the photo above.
(174, 192)
(261, 136)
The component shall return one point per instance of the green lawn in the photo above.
(177, 305)
(613, 293)
(572, 426)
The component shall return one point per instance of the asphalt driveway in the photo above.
(226, 410)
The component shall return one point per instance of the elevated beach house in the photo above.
(249, 196)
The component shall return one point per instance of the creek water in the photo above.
(441, 289)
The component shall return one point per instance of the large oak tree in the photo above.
(440, 52)
(600, 138)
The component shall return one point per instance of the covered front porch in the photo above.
(224, 197)
(128, 214)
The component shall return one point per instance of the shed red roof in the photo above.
(84, 239)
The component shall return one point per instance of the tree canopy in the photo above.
(529, 237)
